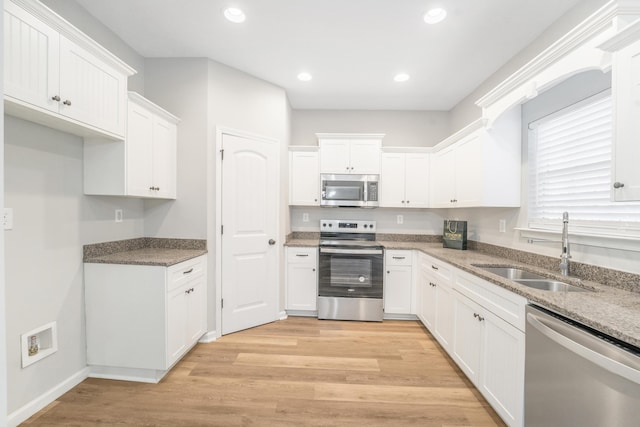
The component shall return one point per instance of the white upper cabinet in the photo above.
(626, 97)
(479, 166)
(404, 180)
(144, 164)
(350, 153)
(304, 176)
(56, 76)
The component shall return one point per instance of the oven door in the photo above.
(351, 273)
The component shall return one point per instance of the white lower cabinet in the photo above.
(399, 285)
(437, 299)
(142, 319)
(302, 279)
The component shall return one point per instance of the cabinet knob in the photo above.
(403, 201)
(314, 269)
(56, 98)
(67, 102)
(315, 200)
(618, 185)
(272, 242)
(407, 202)
(434, 267)
(388, 272)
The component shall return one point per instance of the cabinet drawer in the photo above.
(302, 255)
(185, 271)
(395, 257)
(436, 268)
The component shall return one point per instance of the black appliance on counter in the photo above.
(351, 267)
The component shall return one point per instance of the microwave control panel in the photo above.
(372, 191)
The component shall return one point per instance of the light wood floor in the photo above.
(296, 372)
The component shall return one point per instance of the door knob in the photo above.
(272, 242)
(618, 185)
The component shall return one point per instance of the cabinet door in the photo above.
(304, 179)
(365, 157)
(392, 175)
(196, 310)
(444, 316)
(334, 157)
(302, 287)
(502, 370)
(397, 290)
(177, 306)
(442, 179)
(164, 158)
(469, 180)
(139, 151)
(626, 149)
(428, 302)
(416, 187)
(467, 338)
(91, 91)
(32, 59)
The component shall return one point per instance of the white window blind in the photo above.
(570, 170)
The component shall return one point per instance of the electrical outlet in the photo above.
(502, 226)
(400, 219)
(118, 215)
(305, 217)
(7, 219)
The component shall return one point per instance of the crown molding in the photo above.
(624, 38)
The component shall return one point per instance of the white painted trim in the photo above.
(593, 25)
(462, 133)
(150, 376)
(622, 39)
(209, 337)
(283, 315)
(155, 108)
(20, 415)
(350, 135)
(222, 130)
(408, 149)
(311, 148)
(68, 30)
(394, 316)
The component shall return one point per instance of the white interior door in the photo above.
(250, 224)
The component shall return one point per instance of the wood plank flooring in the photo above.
(295, 372)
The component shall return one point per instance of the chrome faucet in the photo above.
(566, 254)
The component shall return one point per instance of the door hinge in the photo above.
(222, 154)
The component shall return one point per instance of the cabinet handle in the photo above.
(432, 284)
(618, 185)
(56, 98)
(314, 269)
(398, 257)
(434, 267)
(67, 102)
(188, 291)
(188, 271)
(302, 254)
(157, 188)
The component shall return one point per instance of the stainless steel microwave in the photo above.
(359, 191)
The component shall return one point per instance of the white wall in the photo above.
(466, 111)
(402, 128)
(52, 220)
(3, 299)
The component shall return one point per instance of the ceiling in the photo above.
(353, 48)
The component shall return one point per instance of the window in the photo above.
(570, 154)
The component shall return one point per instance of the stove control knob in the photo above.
(370, 225)
(324, 224)
(365, 226)
(330, 225)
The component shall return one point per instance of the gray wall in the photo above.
(402, 128)
(466, 111)
(3, 300)
(52, 220)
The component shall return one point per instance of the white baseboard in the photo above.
(282, 315)
(393, 316)
(31, 408)
(302, 313)
(209, 337)
(152, 376)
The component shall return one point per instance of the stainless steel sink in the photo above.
(551, 285)
(512, 273)
(530, 279)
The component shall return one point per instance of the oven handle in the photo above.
(352, 251)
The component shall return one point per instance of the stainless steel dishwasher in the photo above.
(575, 376)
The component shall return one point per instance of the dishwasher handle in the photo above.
(604, 362)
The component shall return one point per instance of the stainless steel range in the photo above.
(350, 279)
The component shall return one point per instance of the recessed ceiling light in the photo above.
(402, 77)
(435, 15)
(234, 15)
(304, 77)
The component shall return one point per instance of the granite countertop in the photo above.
(608, 309)
(145, 251)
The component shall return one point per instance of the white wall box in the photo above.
(404, 179)
(142, 319)
(302, 280)
(350, 153)
(45, 343)
(399, 286)
(478, 166)
(57, 76)
(144, 164)
(304, 176)
(626, 98)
